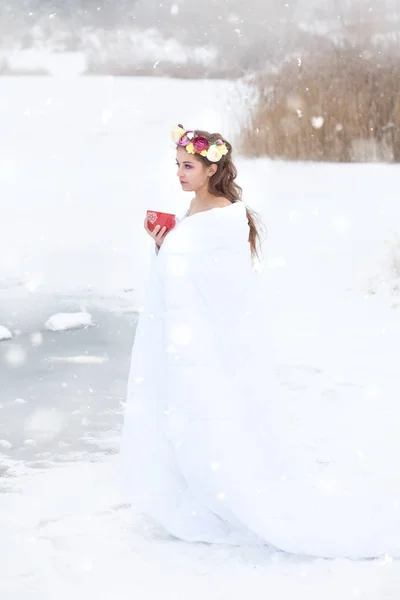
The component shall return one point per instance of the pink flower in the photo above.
(201, 143)
(186, 138)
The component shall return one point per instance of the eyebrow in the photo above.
(185, 162)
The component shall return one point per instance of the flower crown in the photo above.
(199, 144)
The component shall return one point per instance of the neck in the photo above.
(203, 197)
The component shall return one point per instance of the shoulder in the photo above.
(221, 202)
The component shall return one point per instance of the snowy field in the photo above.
(80, 162)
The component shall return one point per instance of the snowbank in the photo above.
(5, 334)
(79, 360)
(65, 321)
(5, 444)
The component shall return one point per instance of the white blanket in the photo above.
(206, 444)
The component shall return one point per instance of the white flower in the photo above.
(214, 153)
(177, 133)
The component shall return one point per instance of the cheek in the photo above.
(195, 176)
(192, 175)
(200, 176)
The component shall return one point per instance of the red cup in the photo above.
(160, 218)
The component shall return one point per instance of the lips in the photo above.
(183, 182)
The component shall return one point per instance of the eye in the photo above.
(188, 166)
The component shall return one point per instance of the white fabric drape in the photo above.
(206, 445)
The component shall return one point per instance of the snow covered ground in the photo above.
(80, 163)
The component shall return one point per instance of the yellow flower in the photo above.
(177, 133)
(190, 148)
(204, 152)
(224, 149)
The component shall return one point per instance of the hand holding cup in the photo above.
(158, 224)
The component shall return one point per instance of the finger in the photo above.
(146, 226)
(160, 234)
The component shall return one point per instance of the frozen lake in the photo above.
(62, 391)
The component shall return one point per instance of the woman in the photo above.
(208, 446)
(189, 422)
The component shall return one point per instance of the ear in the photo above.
(212, 169)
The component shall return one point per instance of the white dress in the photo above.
(206, 447)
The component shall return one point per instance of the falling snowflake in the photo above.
(317, 122)
(37, 338)
(33, 284)
(16, 356)
(44, 424)
(232, 18)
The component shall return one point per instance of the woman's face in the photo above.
(192, 173)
